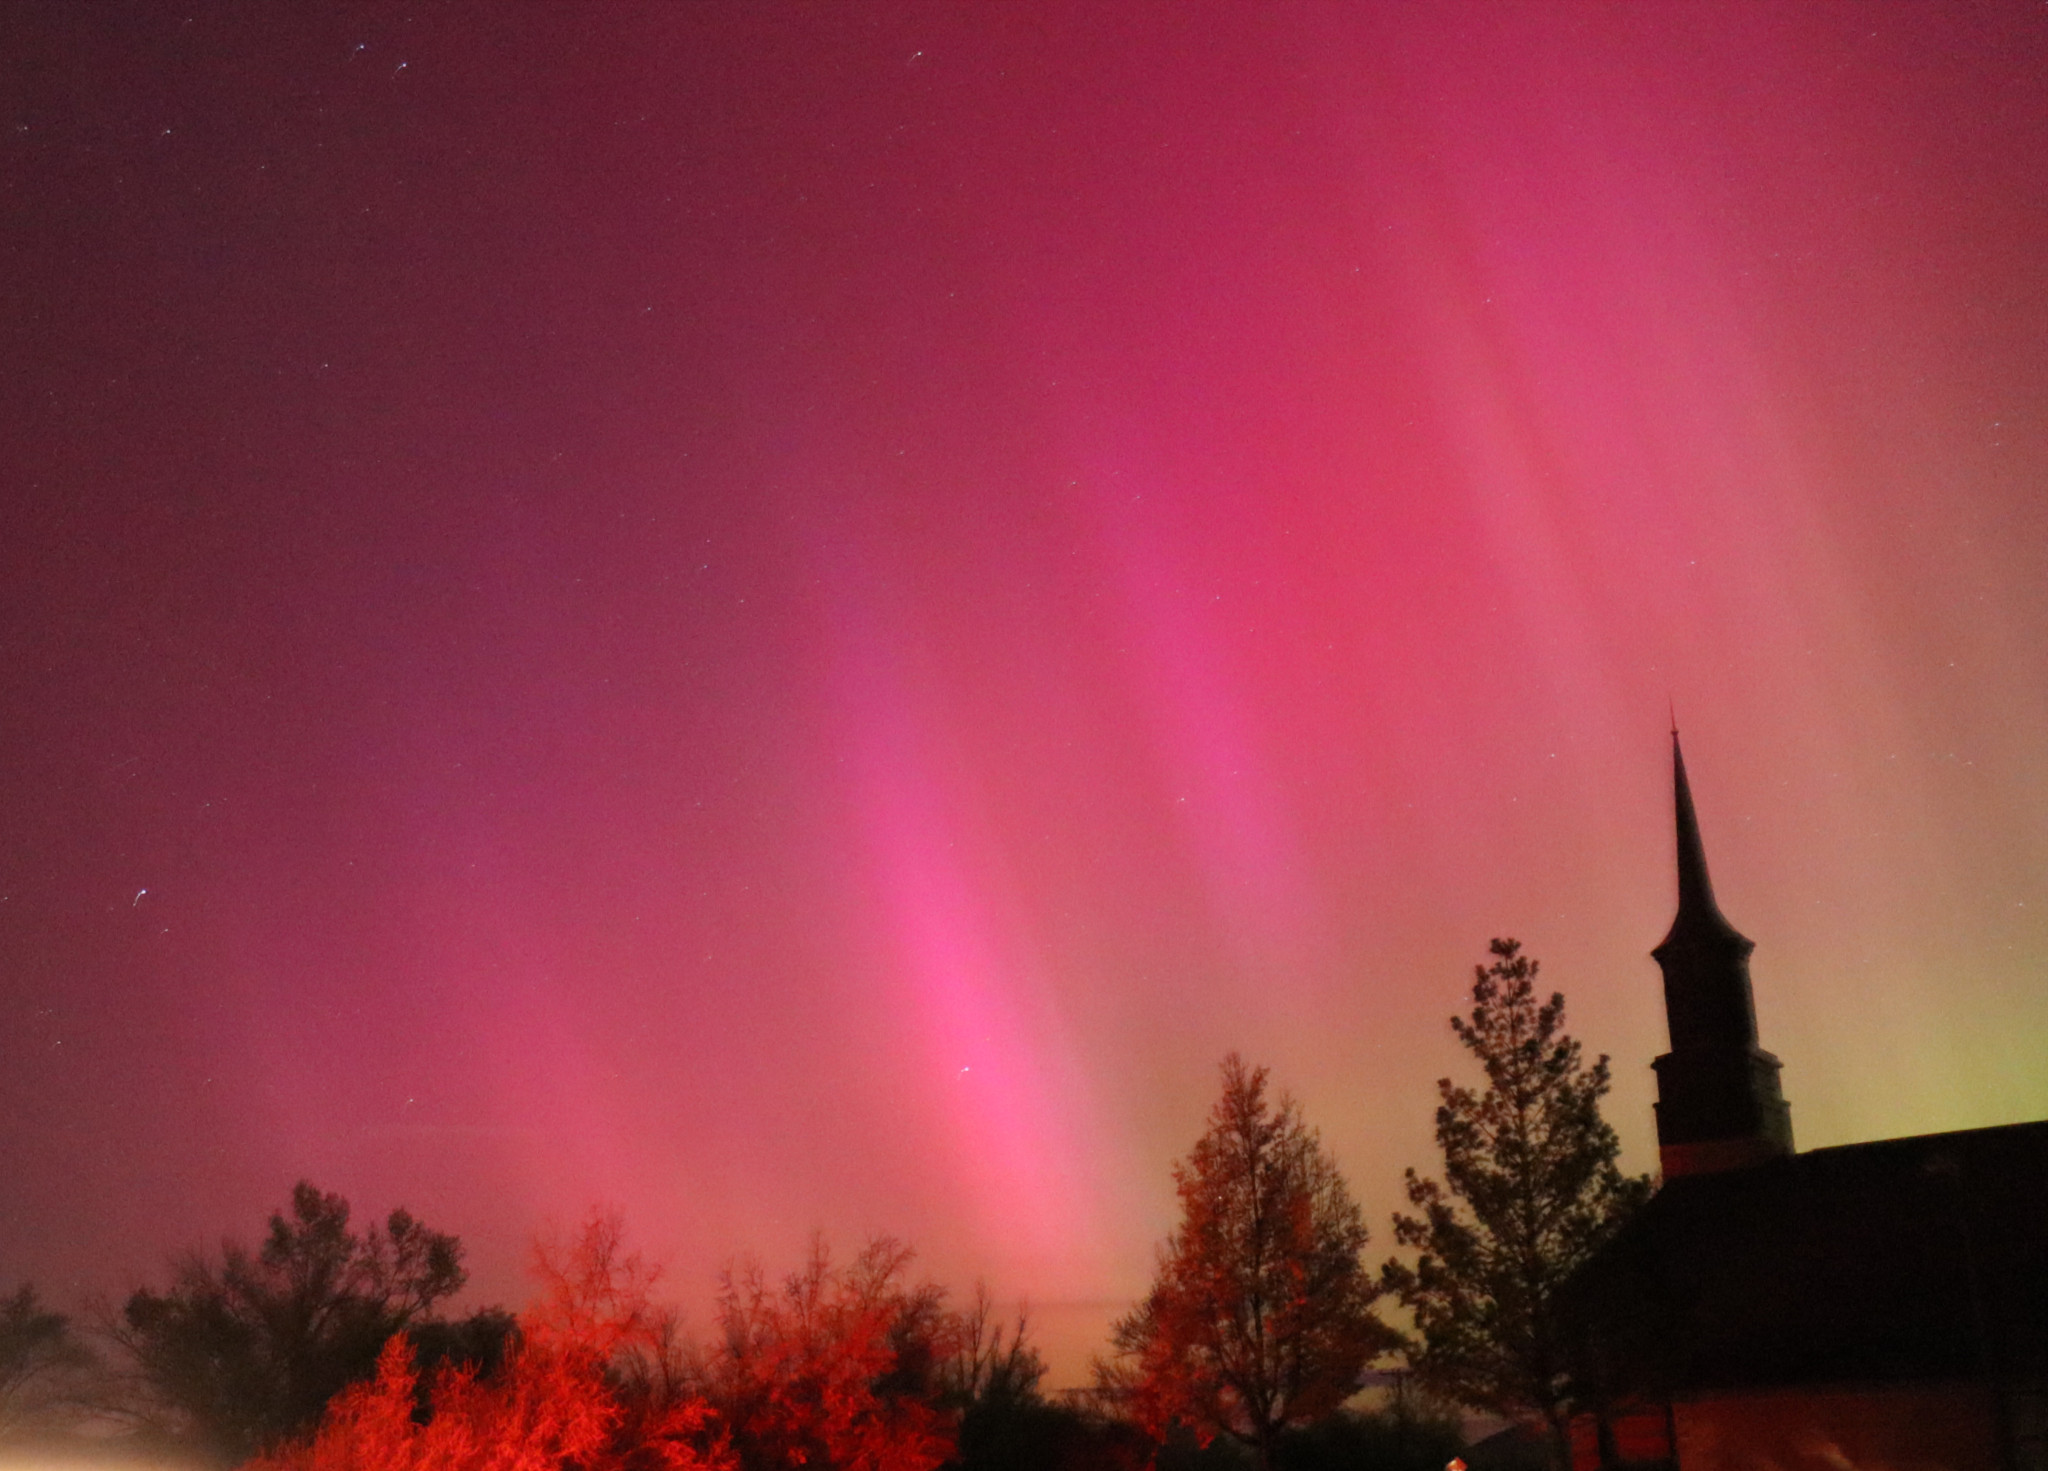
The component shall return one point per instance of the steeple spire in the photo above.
(1695, 889)
(1718, 1100)
(1698, 914)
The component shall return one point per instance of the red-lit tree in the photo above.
(556, 1401)
(838, 1370)
(1262, 1314)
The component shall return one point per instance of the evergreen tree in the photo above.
(1530, 1189)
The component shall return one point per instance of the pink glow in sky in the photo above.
(796, 619)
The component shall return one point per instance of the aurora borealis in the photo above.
(795, 618)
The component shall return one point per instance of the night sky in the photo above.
(794, 618)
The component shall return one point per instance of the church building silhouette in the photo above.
(1879, 1305)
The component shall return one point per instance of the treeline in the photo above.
(328, 1348)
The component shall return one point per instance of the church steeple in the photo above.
(1695, 888)
(1718, 1099)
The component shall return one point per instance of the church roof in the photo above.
(1918, 1258)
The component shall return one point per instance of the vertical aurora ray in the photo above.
(1211, 768)
(991, 1070)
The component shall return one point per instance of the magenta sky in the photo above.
(795, 619)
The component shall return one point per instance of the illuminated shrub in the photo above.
(838, 1369)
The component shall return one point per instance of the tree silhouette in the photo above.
(991, 1365)
(1530, 1190)
(992, 1381)
(1261, 1315)
(243, 1353)
(39, 1356)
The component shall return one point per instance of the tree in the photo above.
(38, 1357)
(992, 1381)
(560, 1400)
(246, 1352)
(839, 1370)
(1261, 1315)
(1530, 1190)
(990, 1364)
